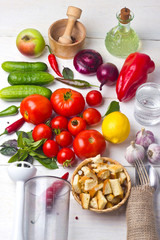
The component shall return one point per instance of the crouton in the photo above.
(101, 200)
(89, 173)
(122, 177)
(104, 174)
(100, 167)
(112, 199)
(97, 159)
(107, 187)
(116, 187)
(89, 184)
(93, 203)
(109, 205)
(93, 191)
(115, 168)
(76, 184)
(85, 199)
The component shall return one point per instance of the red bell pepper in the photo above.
(133, 74)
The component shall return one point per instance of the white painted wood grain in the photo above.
(98, 16)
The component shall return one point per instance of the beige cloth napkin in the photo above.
(140, 214)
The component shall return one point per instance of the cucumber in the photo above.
(11, 66)
(15, 93)
(30, 78)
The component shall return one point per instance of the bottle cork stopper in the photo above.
(124, 15)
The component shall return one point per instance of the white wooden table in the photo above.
(98, 17)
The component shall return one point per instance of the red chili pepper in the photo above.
(53, 190)
(133, 74)
(14, 126)
(53, 62)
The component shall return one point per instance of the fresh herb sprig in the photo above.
(26, 149)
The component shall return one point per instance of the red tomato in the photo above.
(36, 109)
(94, 98)
(66, 157)
(41, 131)
(89, 143)
(76, 125)
(59, 122)
(67, 102)
(92, 116)
(64, 139)
(50, 148)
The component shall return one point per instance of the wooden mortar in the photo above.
(69, 50)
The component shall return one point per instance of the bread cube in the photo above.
(122, 177)
(116, 187)
(101, 200)
(115, 168)
(76, 184)
(89, 173)
(93, 191)
(107, 187)
(97, 159)
(104, 174)
(89, 184)
(85, 199)
(109, 205)
(93, 203)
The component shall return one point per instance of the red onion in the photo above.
(107, 74)
(87, 61)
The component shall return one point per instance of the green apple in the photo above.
(30, 42)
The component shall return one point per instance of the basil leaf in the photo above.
(49, 163)
(14, 158)
(10, 143)
(22, 155)
(67, 73)
(113, 107)
(37, 144)
(37, 153)
(8, 151)
(20, 141)
(24, 134)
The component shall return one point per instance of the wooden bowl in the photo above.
(66, 51)
(115, 207)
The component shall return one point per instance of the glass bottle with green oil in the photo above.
(122, 39)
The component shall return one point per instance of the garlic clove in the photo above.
(133, 152)
(153, 153)
(144, 138)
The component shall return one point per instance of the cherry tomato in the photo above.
(92, 116)
(94, 98)
(50, 148)
(41, 131)
(36, 109)
(66, 157)
(64, 139)
(76, 125)
(67, 102)
(59, 122)
(89, 143)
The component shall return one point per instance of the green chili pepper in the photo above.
(76, 83)
(12, 110)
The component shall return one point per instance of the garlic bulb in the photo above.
(144, 138)
(153, 153)
(134, 152)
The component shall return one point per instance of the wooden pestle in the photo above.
(73, 14)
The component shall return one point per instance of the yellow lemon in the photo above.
(115, 127)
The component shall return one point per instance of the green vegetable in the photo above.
(12, 110)
(76, 83)
(67, 73)
(113, 107)
(15, 93)
(11, 66)
(30, 78)
(25, 149)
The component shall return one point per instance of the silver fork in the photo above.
(142, 173)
